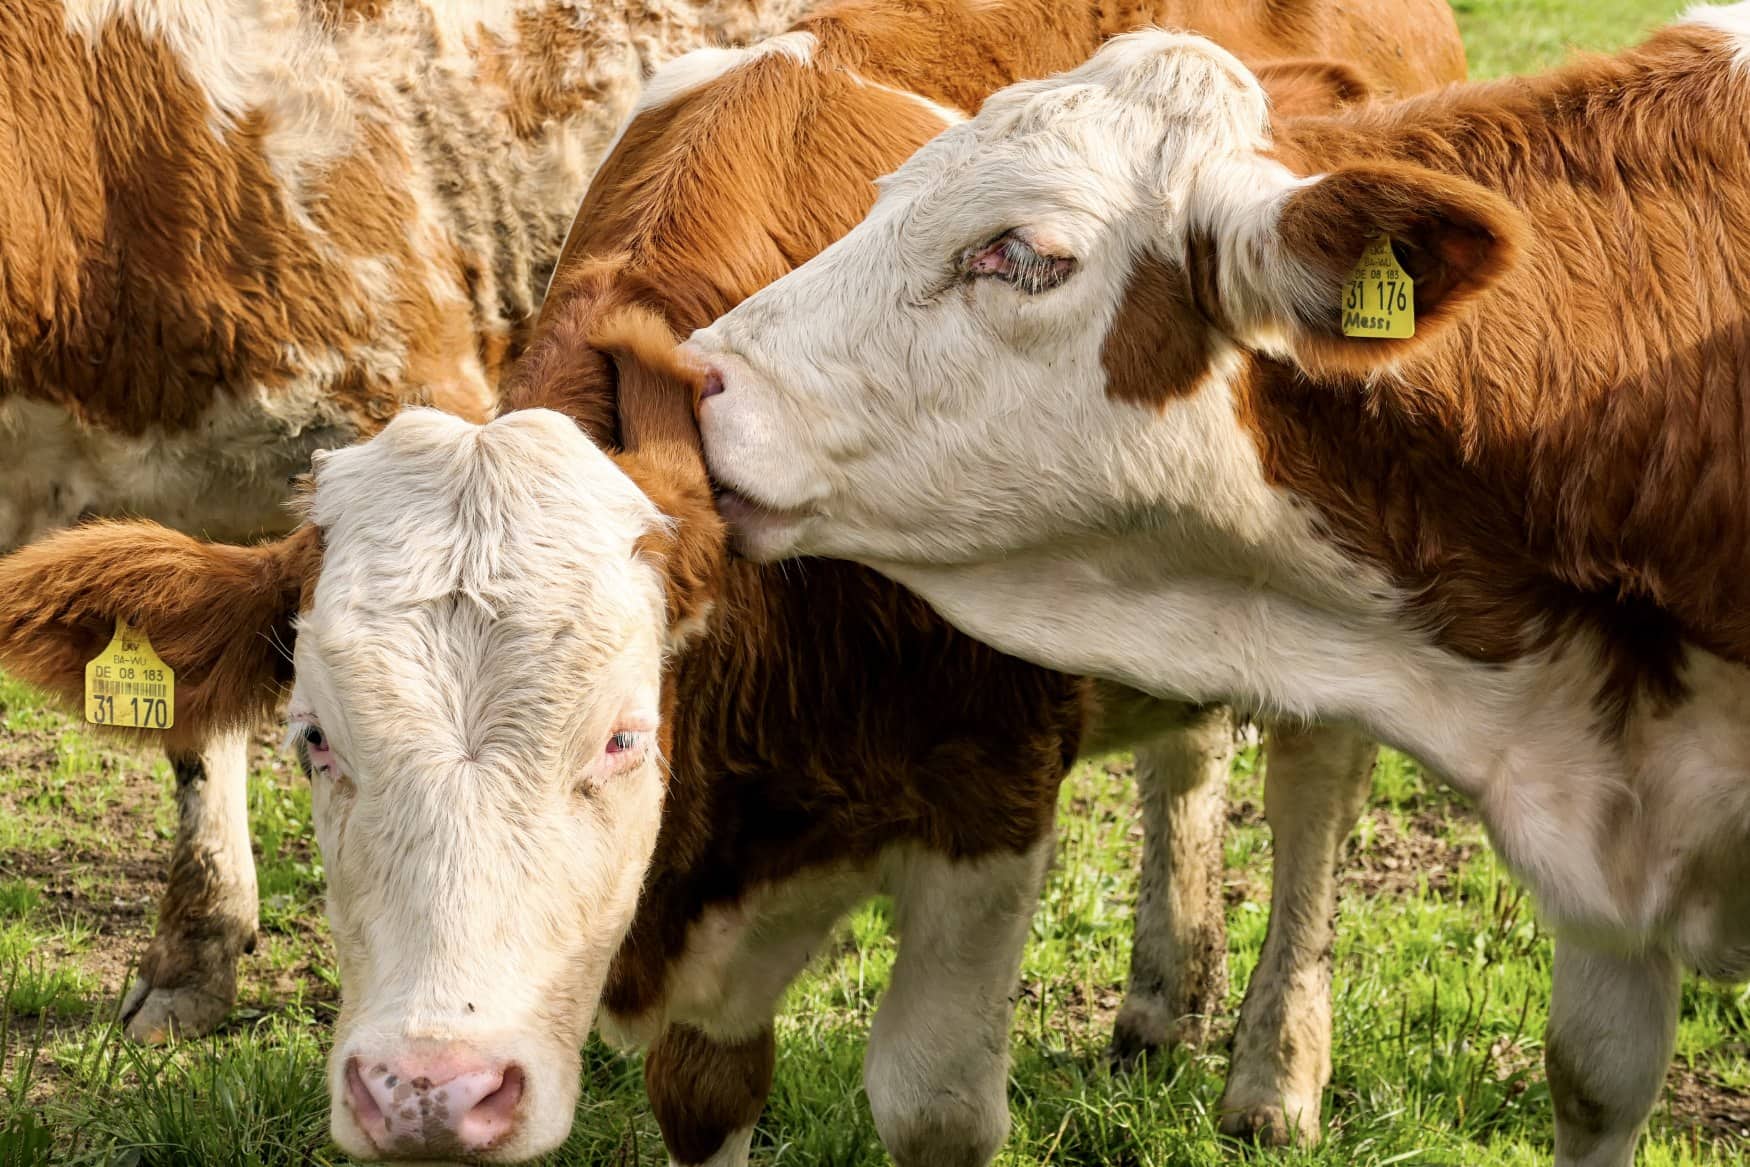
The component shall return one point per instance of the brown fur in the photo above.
(161, 267)
(706, 1090)
(1312, 85)
(284, 280)
(1149, 356)
(220, 616)
(1569, 453)
(784, 759)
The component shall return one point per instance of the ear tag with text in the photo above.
(128, 685)
(1379, 299)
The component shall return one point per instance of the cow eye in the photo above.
(1015, 257)
(622, 742)
(315, 739)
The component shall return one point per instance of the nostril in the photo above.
(713, 385)
(504, 1099)
(359, 1096)
(494, 1116)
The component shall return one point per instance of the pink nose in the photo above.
(713, 384)
(443, 1104)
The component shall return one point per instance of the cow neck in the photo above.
(1573, 451)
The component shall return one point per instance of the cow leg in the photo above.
(710, 1070)
(1316, 784)
(707, 1094)
(206, 920)
(1178, 954)
(937, 1065)
(1612, 1028)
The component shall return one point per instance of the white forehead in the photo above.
(436, 506)
(1128, 125)
(481, 592)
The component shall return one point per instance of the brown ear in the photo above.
(220, 616)
(561, 370)
(1454, 238)
(1309, 86)
(661, 452)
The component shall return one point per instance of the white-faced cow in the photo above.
(1084, 378)
(503, 758)
(233, 233)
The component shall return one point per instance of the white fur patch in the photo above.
(946, 114)
(227, 477)
(700, 67)
(1731, 19)
(482, 627)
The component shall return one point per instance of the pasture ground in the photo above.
(1442, 972)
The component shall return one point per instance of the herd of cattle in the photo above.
(1072, 384)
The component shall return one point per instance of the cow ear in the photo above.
(1309, 86)
(1454, 240)
(222, 617)
(657, 403)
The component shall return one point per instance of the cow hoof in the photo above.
(1146, 1029)
(1269, 1125)
(153, 1016)
(1132, 1049)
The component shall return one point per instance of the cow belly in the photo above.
(228, 477)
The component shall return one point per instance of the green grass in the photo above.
(1441, 979)
(1521, 36)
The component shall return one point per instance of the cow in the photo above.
(475, 922)
(234, 233)
(1093, 378)
(797, 131)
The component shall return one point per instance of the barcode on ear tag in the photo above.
(128, 685)
(1379, 299)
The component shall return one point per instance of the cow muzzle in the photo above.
(438, 1103)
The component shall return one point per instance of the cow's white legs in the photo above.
(1316, 783)
(938, 1058)
(707, 1094)
(207, 918)
(1178, 955)
(1612, 1027)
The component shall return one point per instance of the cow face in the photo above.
(476, 703)
(1042, 330)
(476, 621)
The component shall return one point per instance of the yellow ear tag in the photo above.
(1380, 299)
(128, 685)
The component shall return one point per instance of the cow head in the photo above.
(1042, 330)
(475, 621)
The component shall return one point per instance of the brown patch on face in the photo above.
(1159, 346)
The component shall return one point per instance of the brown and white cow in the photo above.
(234, 233)
(797, 128)
(486, 816)
(1082, 379)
